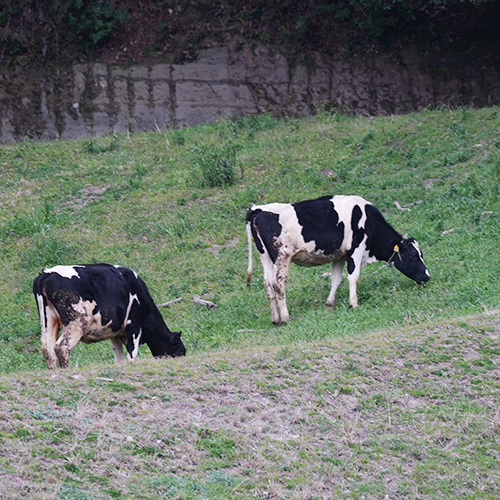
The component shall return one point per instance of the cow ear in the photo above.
(396, 248)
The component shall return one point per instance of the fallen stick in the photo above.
(201, 302)
(399, 207)
(169, 303)
(405, 207)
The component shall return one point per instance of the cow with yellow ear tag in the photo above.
(332, 229)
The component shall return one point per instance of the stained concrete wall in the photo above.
(95, 98)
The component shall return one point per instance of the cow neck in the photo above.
(382, 237)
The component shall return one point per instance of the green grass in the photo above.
(143, 201)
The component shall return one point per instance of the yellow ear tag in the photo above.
(396, 248)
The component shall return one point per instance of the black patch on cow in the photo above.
(265, 228)
(350, 265)
(381, 236)
(320, 223)
(358, 233)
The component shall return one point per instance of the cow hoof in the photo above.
(279, 323)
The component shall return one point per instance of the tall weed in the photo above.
(216, 164)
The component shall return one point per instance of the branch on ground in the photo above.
(169, 303)
(201, 302)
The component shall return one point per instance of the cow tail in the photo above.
(41, 301)
(250, 260)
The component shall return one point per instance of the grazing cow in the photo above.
(97, 302)
(329, 229)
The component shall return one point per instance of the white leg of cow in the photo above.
(50, 324)
(353, 276)
(133, 342)
(268, 267)
(118, 350)
(337, 267)
(71, 335)
(282, 267)
(353, 289)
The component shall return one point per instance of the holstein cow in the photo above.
(97, 302)
(329, 229)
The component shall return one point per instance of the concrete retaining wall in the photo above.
(95, 99)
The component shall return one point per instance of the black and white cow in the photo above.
(97, 302)
(334, 229)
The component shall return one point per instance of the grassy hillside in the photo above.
(146, 201)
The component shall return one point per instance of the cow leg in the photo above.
(268, 267)
(134, 335)
(118, 350)
(353, 289)
(354, 270)
(282, 267)
(50, 324)
(337, 267)
(71, 335)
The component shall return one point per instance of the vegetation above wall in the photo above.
(58, 30)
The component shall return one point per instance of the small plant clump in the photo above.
(216, 164)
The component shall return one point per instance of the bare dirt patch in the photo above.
(216, 248)
(87, 195)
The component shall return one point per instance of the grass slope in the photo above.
(396, 399)
(145, 201)
(398, 413)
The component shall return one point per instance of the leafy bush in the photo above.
(377, 16)
(90, 24)
(31, 30)
(58, 25)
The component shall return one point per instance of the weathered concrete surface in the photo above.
(95, 99)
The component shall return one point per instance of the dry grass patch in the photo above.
(399, 414)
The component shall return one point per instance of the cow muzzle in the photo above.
(426, 278)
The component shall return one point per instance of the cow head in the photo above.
(409, 260)
(168, 345)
